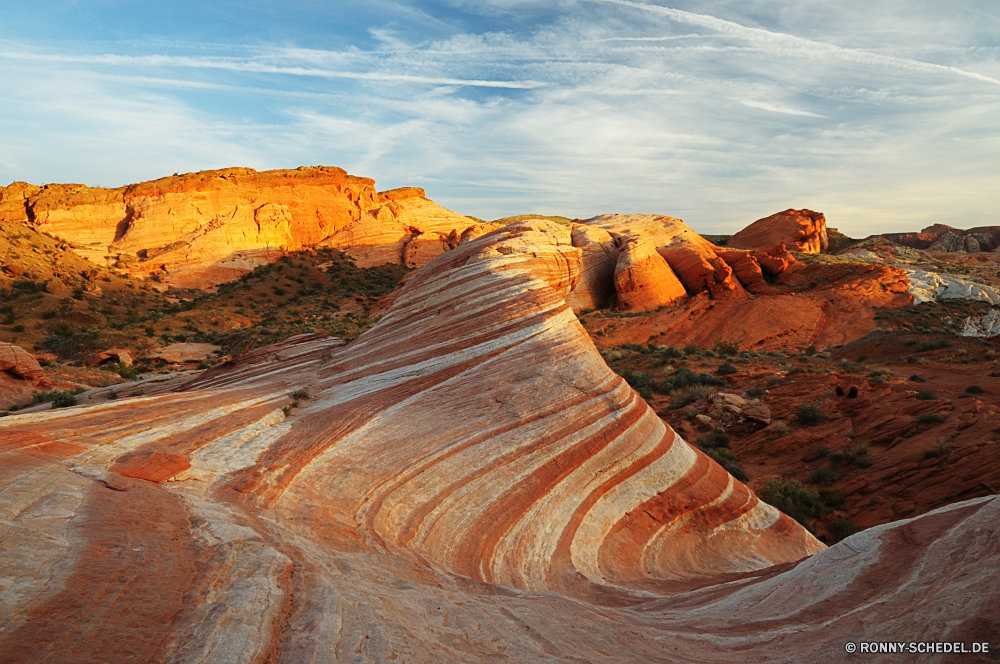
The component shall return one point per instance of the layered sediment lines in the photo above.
(467, 481)
(202, 229)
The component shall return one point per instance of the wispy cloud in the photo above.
(774, 108)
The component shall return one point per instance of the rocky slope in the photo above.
(466, 481)
(940, 237)
(201, 229)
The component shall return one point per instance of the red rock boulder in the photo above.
(800, 230)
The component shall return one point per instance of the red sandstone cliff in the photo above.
(201, 229)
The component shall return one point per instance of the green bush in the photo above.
(756, 392)
(821, 476)
(927, 395)
(687, 378)
(726, 369)
(795, 500)
(725, 458)
(810, 351)
(917, 378)
(974, 389)
(689, 395)
(717, 438)
(727, 348)
(809, 415)
(126, 371)
(58, 398)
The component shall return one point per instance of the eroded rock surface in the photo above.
(467, 481)
(800, 230)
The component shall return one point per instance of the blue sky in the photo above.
(883, 115)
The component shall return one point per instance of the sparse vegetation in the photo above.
(726, 369)
(58, 398)
(931, 418)
(727, 348)
(809, 415)
(797, 501)
(926, 395)
(779, 428)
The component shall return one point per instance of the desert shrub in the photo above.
(853, 392)
(775, 380)
(917, 378)
(931, 418)
(17, 328)
(726, 369)
(725, 458)
(974, 389)
(112, 395)
(810, 351)
(691, 350)
(932, 345)
(809, 415)
(821, 476)
(839, 390)
(689, 395)
(687, 378)
(49, 315)
(300, 394)
(779, 428)
(840, 529)
(793, 499)
(911, 359)
(727, 348)
(910, 342)
(126, 371)
(669, 352)
(150, 332)
(756, 392)
(638, 380)
(926, 395)
(59, 398)
(717, 438)
(857, 456)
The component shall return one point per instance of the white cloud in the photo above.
(608, 106)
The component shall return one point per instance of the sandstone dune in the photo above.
(202, 229)
(468, 481)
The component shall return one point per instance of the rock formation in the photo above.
(642, 262)
(202, 229)
(940, 237)
(20, 373)
(800, 230)
(466, 481)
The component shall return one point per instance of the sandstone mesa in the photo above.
(202, 229)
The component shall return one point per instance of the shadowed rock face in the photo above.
(202, 229)
(468, 481)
